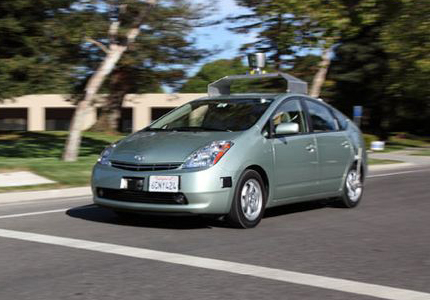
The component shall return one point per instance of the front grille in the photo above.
(144, 167)
(142, 197)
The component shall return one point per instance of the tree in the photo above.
(275, 30)
(213, 71)
(405, 38)
(143, 36)
(358, 70)
(287, 28)
(383, 67)
(125, 79)
(33, 52)
(118, 44)
(153, 61)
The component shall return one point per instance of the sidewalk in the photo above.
(403, 156)
(22, 178)
(46, 194)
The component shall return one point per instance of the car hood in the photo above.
(165, 147)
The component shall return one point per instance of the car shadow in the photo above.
(94, 213)
(98, 214)
(297, 208)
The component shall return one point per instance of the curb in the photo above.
(46, 194)
(383, 167)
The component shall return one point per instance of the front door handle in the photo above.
(311, 148)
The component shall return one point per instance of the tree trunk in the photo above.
(277, 55)
(71, 150)
(110, 114)
(321, 75)
(114, 54)
(74, 139)
(120, 84)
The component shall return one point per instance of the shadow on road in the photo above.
(183, 222)
(102, 215)
(296, 208)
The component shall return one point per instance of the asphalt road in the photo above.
(384, 242)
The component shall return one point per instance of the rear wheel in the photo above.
(249, 201)
(352, 189)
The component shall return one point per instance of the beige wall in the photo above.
(141, 105)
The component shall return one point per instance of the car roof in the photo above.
(222, 85)
(243, 96)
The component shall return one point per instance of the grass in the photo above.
(409, 140)
(422, 153)
(373, 161)
(40, 152)
(400, 141)
(395, 143)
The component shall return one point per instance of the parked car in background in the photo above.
(234, 156)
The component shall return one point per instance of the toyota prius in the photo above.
(234, 156)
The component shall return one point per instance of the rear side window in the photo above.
(341, 119)
(321, 117)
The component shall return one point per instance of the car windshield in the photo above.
(213, 115)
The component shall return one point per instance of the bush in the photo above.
(369, 138)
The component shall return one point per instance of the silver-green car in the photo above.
(234, 156)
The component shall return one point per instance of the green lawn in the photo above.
(373, 161)
(400, 141)
(40, 152)
(422, 153)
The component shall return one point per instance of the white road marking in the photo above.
(397, 173)
(34, 213)
(45, 212)
(348, 286)
(43, 201)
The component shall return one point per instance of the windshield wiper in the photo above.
(156, 129)
(197, 128)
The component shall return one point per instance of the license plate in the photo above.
(133, 184)
(169, 184)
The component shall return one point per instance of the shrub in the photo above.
(369, 138)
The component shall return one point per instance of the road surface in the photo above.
(71, 249)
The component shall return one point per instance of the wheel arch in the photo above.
(263, 175)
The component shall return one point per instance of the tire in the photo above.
(352, 191)
(249, 201)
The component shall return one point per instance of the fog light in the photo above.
(180, 199)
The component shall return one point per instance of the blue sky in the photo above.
(219, 36)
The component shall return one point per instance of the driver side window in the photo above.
(290, 112)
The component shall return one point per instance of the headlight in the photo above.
(104, 156)
(207, 156)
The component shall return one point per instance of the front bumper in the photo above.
(203, 190)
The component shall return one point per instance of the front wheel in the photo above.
(352, 189)
(249, 201)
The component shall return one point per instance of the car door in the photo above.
(334, 148)
(295, 155)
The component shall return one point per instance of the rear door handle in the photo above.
(311, 148)
(345, 144)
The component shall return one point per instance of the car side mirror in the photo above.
(287, 128)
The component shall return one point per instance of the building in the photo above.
(54, 112)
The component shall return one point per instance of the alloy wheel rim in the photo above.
(251, 199)
(353, 186)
